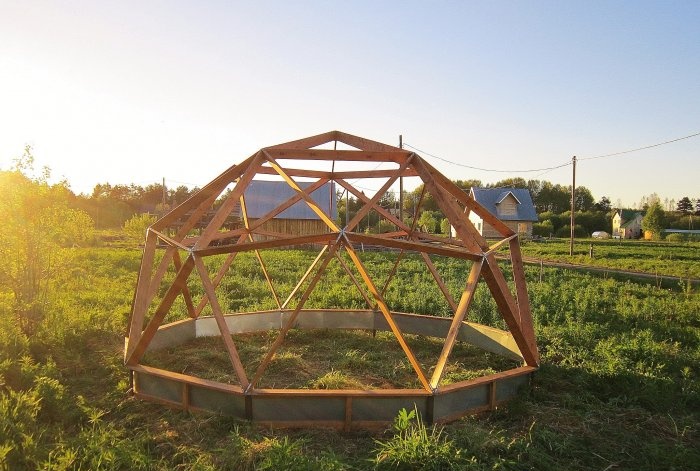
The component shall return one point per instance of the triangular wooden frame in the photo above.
(452, 201)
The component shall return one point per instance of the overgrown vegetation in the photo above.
(618, 387)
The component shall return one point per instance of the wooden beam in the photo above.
(309, 201)
(244, 212)
(494, 247)
(141, 296)
(345, 266)
(268, 244)
(338, 155)
(142, 344)
(363, 143)
(229, 204)
(221, 322)
(287, 204)
(356, 237)
(304, 276)
(293, 316)
(211, 190)
(508, 308)
(491, 272)
(523, 300)
(377, 196)
(467, 200)
(438, 280)
(308, 142)
(462, 309)
(177, 262)
(219, 276)
(464, 228)
(179, 236)
(387, 315)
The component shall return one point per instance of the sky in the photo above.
(137, 91)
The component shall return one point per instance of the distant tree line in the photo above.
(110, 206)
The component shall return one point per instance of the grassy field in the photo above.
(618, 387)
(680, 259)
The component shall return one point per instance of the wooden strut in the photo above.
(492, 274)
(244, 212)
(221, 323)
(293, 316)
(460, 313)
(345, 266)
(414, 223)
(387, 314)
(219, 276)
(515, 309)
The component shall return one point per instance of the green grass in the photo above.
(618, 388)
(680, 259)
(327, 359)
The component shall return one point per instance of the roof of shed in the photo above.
(262, 196)
(491, 197)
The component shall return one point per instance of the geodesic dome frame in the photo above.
(184, 251)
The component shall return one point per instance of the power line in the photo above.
(487, 169)
(641, 148)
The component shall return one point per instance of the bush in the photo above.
(416, 447)
(565, 231)
(675, 237)
(543, 229)
(135, 228)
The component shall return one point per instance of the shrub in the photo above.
(135, 228)
(675, 237)
(416, 447)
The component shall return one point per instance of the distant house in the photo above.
(513, 206)
(263, 196)
(627, 224)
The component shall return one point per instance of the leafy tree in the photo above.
(37, 224)
(445, 226)
(684, 205)
(428, 221)
(584, 199)
(135, 228)
(654, 220)
(603, 205)
(697, 206)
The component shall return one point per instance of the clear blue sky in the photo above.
(130, 91)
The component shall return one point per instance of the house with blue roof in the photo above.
(513, 206)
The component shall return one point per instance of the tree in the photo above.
(603, 205)
(446, 227)
(697, 206)
(684, 205)
(654, 220)
(584, 199)
(135, 228)
(37, 224)
(428, 221)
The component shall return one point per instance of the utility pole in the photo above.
(164, 202)
(401, 184)
(573, 206)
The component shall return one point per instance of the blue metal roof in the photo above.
(490, 197)
(262, 196)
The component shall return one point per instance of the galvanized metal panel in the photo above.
(217, 401)
(173, 334)
(460, 400)
(158, 387)
(275, 408)
(384, 409)
(508, 388)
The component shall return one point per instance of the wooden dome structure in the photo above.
(171, 246)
